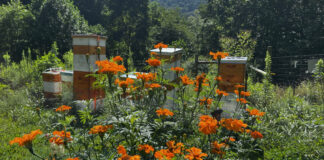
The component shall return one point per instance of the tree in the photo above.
(127, 23)
(291, 27)
(15, 25)
(56, 20)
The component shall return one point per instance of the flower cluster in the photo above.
(121, 150)
(207, 125)
(206, 102)
(99, 129)
(146, 148)
(76, 158)
(152, 85)
(26, 140)
(217, 148)
(108, 67)
(153, 62)
(186, 80)
(255, 112)
(256, 135)
(171, 152)
(160, 45)
(164, 112)
(195, 154)
(177, 69)
(145, 77)
(124, 84)
(201, 81)
(63, 108)
(117, 59)
(218, 55)
(60, 137)
(221, 93)
(233, 124)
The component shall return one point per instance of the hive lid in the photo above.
(167, 51)
(131, 75)
(235, 60)
(52, 71)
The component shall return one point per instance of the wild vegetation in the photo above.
(271, 121)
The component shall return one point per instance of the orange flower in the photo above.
(236, 92)
(186, 80)
(246, 94)
(76, 158)
(108, 67)
(146, 76)
(176, 149)
(247, 131)
(153, 85)
(26, 139)
(195, 154)
(99, 129)
(164, 112)
(160, 45)
(60, 137)
(121, 150)
(219, 78)
(256, 135)
(124, 84)
(217, 148)
(232, 139)
(239, 86)
(218, 55)
(117, 59)
(153, 53)
(206, 102)
(128, 157)
(163, 154)
(242, 100)
(201, 81)
(177, 69)
(233, 124)
(153, 62)
(147, 148)
(255, 112)
(221, 93)
(63, 108)
(207, 124)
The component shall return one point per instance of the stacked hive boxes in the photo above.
(52, 84)
(85, 54)
(232, 71)
(172, 58)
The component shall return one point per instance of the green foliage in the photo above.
(281, 24)
(319, 71)
(56, 20)
(242, 46)
(186, 6)
(267, 68)
(68, 60)
(291, 126)
(15, 26)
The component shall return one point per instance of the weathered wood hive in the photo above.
(233, 71)
(85, 54)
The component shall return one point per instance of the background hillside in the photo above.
(186, 6)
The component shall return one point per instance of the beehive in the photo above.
(233, 71)
(172, 58)
(85, 54)
(52, 83)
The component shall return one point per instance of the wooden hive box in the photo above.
(233, 71)
(85, 56)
